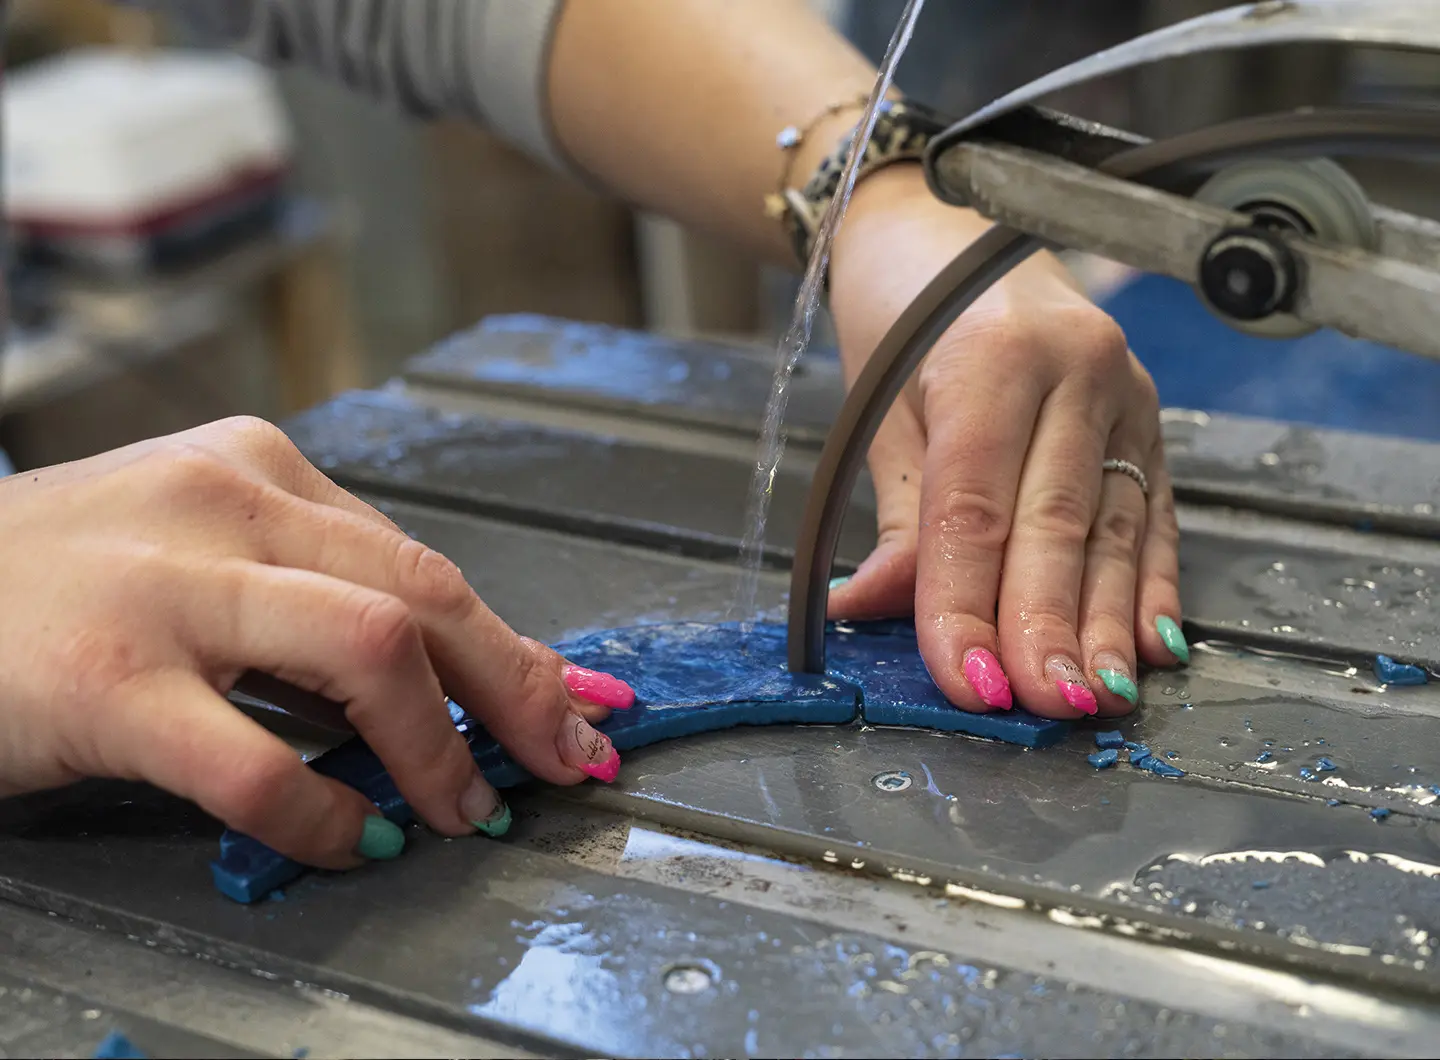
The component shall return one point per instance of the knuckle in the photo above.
(1097, 343)
(257, 436)
(535, 676)
(383, 632)
(189, 465)
(1119, 530)
(248, 793)
(434, 582)
(191, 476)
(1149, 393)
(978, 518)
(1063, 513)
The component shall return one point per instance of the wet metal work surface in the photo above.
(811, 890)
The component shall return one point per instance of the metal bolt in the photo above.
(689, 978)
(893, 780)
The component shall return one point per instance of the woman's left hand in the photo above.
(988, 474)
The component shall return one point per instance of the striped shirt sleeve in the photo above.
(482, 59)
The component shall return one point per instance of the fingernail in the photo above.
(1115, 673)
(498, 823)
(588, 750)
(604, 690)
(1169, 631)
(1070, 680)
(835, 583)
(985, 675)
(483, 807)
(380, 840)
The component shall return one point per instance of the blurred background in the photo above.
(284, 239)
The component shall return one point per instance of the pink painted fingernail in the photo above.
(607, 770)
(985, 675)
(603, 690)
(587, 749)
(1070, 680)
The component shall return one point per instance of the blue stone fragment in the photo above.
(1139, 753)
(1160, 768)
(1264, 756)
(1325, 765)
(1306, 773)
(1132, 744)
(1390, 672)
(1172, 754)
(882, 660)
(1380, 813)
(1260, 885)
(1104, 759)
(1111, 739)
(689, 678)
(118, 1047)
(1332, 802)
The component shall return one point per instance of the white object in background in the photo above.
(106, 141)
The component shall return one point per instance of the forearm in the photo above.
(675, 104)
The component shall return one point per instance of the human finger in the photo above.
(170, 728)
(1157, 610)
(1045, 556)
(361, 648)
(518, 695)
(883, 586)
(972, 469)
(1107, 595)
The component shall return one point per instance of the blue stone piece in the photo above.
(1160, 768)
(1104, 759)
(689, 678)
(1172, 754)
(1260, 885)
(1109, 739)
(1380, 813)
(1332, 802)
(118, 1047)
(1390, 672)
(1138, 753)
(1264, 756)
(883, 660)
(1306, 773)
(1325, 765)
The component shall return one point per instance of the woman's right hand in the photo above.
(139, 585)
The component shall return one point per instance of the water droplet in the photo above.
(689, 978)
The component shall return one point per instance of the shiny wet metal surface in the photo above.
(813, 891)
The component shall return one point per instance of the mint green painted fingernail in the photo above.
(380, 840)
(1174, 640)
(835, 583)
(1119, 683)
(498, 823)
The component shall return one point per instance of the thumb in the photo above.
(884, 584)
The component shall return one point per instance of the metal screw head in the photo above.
(689, 978)
(893, 780)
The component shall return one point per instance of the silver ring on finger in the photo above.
(1129, 470)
